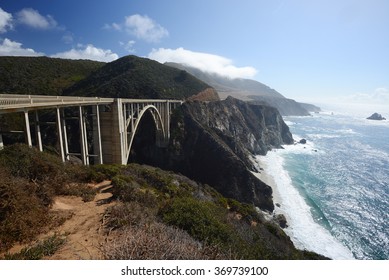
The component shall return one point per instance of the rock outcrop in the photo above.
(209, 94)
(212, 142)
(376, 117)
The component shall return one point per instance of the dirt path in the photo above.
(83, 231)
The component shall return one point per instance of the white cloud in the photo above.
(5, 21)
(88, 52)
(129, 46)
(206, 62)
(11, 48)
(67, 38)
(114, 26)
(378, 96)
(141, 27)
(145, 28)
(34, 19)
(381, 94)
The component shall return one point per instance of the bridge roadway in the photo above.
(113, 122)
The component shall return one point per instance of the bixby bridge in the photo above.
(110, 123)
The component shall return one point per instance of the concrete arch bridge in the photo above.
(113, 123)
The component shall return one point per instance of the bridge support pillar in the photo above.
(38, 132)
(112, 134)
(28, 132)
(65, 135)
(60, 139)
(83, 137)
(118, 125)
(97, 145)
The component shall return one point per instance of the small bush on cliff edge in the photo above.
(203, 220)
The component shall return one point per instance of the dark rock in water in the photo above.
(278, 205)
(303, 141)
(281, 220)
(376, 117)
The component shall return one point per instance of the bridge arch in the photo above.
(108, 126)
(132, 127)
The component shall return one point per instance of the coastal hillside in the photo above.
(42, 75)
(228, 86)
(127, 77)
(246, 89)
(138, 212)
(135, 77)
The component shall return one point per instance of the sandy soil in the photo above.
(84, 230)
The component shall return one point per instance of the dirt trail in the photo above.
(83, 231)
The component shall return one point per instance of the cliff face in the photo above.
(243, 127)
(212, 143)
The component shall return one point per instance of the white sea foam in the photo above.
(321, 136)
(303, 230)
(289, 123)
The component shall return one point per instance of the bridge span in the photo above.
(112, 121)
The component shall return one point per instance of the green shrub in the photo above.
(23, 213)
(129, 214)
(201, 219)
(127, 189)
(102, 172)
(247, 211)
(25, 162)
(84, 191)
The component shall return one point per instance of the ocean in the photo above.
(334, 190)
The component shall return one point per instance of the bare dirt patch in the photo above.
(83, 229)
(84, 232)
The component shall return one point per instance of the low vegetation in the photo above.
(135, 77)
(158, 214)
(30, 180)
(167, 216)
(42, 75)
(38, 251)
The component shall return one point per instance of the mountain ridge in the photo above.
(126, 77)
(249, 90)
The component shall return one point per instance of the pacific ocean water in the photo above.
(334, 190)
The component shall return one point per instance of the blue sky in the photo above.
(307, 50)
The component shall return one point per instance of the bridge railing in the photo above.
(12, 101)
(15, 102)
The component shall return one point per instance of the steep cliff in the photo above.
(212, 142)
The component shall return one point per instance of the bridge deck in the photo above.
(113, 130)
(10, 103)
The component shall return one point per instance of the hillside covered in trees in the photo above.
(127, 77)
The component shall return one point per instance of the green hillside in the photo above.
(135, 77)
(127, 77)
(42, 75)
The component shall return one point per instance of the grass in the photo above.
(40, 250)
